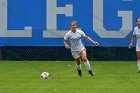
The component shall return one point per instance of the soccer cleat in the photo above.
(138, 71)
(91, 73)
(80, 73)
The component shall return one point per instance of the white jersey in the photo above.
(75, 40)
(137, 33)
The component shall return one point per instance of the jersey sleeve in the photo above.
(134, 32)
(66, 36)
(82, 33)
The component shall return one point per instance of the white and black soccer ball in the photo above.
(44, 75)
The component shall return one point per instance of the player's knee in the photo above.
(84, 59)
(78, 61)
(138, 58)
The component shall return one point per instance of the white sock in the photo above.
(87, 65)
(78, 66)
(138, 63)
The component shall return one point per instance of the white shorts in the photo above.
(137, 48)
(76, 54)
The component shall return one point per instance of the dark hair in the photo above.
(137, 18)
(73, 21)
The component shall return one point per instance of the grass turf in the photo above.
(111, 77)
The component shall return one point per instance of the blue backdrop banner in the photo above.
(45, 22)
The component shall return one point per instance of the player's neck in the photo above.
(73, 31)
(138, 27)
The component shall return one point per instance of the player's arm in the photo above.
(89, 39)
(65, 41)
(65, 44)
(132, 40)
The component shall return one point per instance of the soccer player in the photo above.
(77, 48)
(136, 34)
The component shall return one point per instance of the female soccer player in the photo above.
(77, 48)
(136, 34)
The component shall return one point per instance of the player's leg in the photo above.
(138, 60)
(78, 66)
(86, 62)
(76, 56)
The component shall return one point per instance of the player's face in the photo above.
(138, 22)
(73, 26)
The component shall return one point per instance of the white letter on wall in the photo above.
(51, 20)
(98, 22)
(3, 24)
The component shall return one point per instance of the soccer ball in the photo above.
(44, 75)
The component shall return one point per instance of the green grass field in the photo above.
(111, 77)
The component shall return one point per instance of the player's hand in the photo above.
(130, 46)
(67, 46)
(95, 43)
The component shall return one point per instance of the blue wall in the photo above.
(33, 14)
